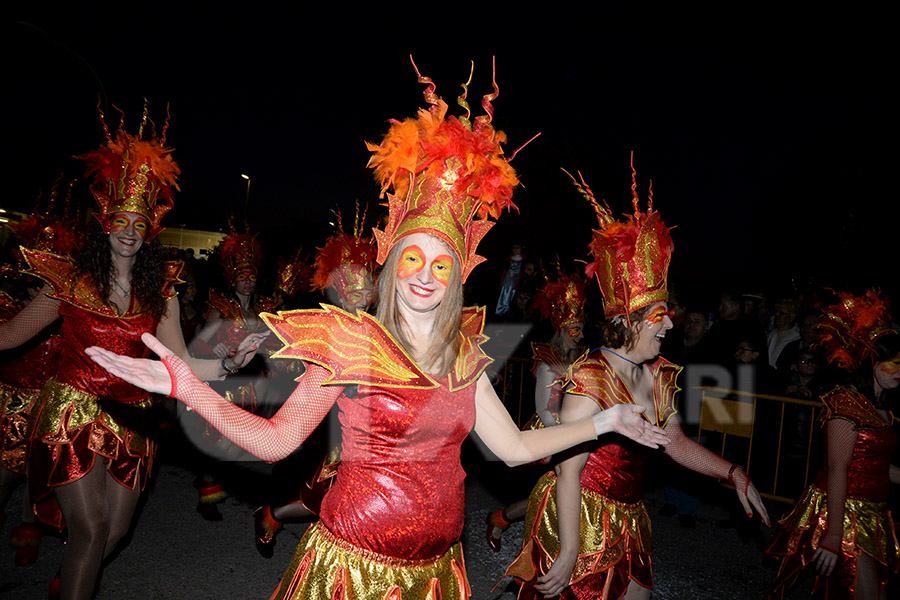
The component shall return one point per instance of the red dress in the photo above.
(615, 528)
(390, 525)
(83, 412)
(868, 525)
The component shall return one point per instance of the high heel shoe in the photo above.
(495, 519)
(265, 527)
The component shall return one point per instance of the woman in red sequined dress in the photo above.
(89, 454)
(587, 533)
(841, 524)
(409, 384)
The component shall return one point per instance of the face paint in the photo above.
(411, 262)
(245, 276)
(440, 268)
(892, 366)
(573, 331)
(121, 222)
(658, 315)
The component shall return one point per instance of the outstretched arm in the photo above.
(29, 321)
(269, 439)
(495, 427)
(840, 438)
(695, 457)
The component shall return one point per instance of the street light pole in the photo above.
(247, 199)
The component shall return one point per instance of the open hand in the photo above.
(748, 495)
(626, 419)
(150, 375)
(248, 347)
(554, 581)
(824, 559)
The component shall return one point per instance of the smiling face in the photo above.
(423, 272)
(126, 233)
(651, 331)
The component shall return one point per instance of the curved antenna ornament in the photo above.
(103, 118)
(162, 141)
(461, 100)
(516, 151)
(634, 201)
(486, 118)
(430, 96)
(144, 119)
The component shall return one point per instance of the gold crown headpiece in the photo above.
(132, 174)
(631, 257)
(347, 261)
(292, 275)
(562, 300)
(448, 175)
(45, 230)
(850, 327)
(240, 251)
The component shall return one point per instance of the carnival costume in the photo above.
(390, 525)
(631, 261)
(849, 328)
(84, 413)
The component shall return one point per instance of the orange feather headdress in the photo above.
(448, 175)
(851, 326)
(562, 300)
(292, 275)
(631, 257)
(133, 175)
(347, 260)
(240, 251)
(45, 230)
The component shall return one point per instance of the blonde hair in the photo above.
(444, 345)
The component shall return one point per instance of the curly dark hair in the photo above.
(615, 332)
(147, 276)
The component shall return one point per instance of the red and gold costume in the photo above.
(868, 526)
(615, 529)
(84, 412)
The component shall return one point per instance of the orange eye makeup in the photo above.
(891, 367)
(440, 268)
(659, 314)
(573, 332)
(411, 262)
(245, 277)
(121, 223)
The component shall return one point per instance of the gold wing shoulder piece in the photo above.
(174, 269)
(59, 273)
(665, 376)
(356, 349)
(846, 403)
(596, 379)
(471, 360)
(229, 309)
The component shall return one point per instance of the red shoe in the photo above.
(495, 519)
(26, 539)
(265, 528)
(53, 589)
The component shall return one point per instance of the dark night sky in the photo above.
(767, 135)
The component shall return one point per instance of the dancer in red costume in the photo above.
(562, 301)
(345, 270)
(841, 523)
(87, 451)
(410, 385)
(587, 534)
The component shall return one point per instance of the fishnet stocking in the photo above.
(39, 313)
(695, 457)
(269, 439)
(840, 438)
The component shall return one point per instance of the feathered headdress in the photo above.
(240, 251)
(851, 326)
(347, 261)
(133, 175)
(562, 301)
(631, 257)
(46, 230)
(447, 174)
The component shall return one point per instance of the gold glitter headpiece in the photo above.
(562, 300)
(447, 174)
(292, 275)
(631, 257)
(347, 261)
(240, 251)
(133, 175)
(851, 326)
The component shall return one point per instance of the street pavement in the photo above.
(173, 554)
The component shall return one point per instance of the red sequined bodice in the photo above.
(867, 476)
(399, 490)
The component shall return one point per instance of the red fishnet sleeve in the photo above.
(39, 313)
(840, 438)
(695, 457)
(268, 439)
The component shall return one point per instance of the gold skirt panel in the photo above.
(15, 406)
(327, 567)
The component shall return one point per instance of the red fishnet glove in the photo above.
(840, 438)
(695, 457)
(39, 313)
(269, 439)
